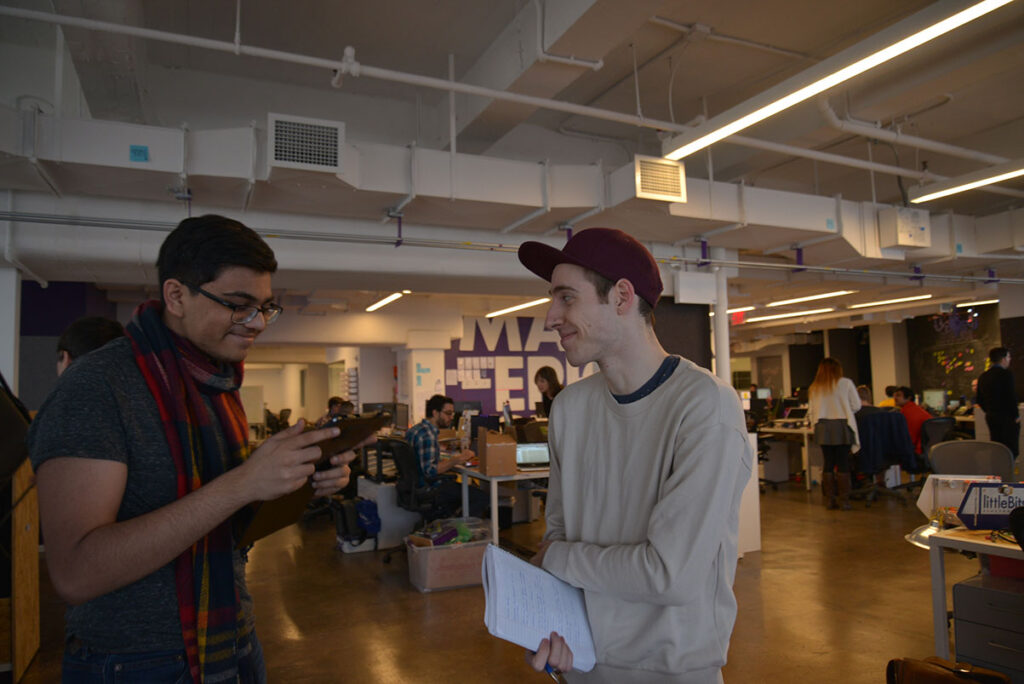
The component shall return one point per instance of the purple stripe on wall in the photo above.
(48, 311)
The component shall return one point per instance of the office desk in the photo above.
(467, 473)
(805, 433)
(964, 540)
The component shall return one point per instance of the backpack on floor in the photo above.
(356, 520)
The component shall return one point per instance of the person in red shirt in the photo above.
(915, 415)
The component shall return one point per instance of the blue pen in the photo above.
(552, 672)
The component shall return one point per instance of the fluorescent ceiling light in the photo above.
(890, 301)
(987, 301)
(384, 302)
(792, 314)
(829, 73)
(736, 310)
(519, 307)
(968, 181)
(811, 298)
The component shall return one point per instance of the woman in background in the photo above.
(833, 403)
(548, 385)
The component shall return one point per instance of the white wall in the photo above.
(316, 390)
(10, 324)
(890, 359)
(273, 386)
(376, 374)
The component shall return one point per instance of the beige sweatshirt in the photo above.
(646, 498)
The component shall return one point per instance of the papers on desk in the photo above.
(524, 604)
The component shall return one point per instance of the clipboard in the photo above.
(271, 516)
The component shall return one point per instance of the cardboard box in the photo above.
(497, 453)
(432, 568)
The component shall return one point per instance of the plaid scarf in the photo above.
(207, 433)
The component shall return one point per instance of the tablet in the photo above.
(271, 516)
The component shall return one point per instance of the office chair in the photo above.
(935, 430)
(884, 442)
(411, 496)
(973, 457)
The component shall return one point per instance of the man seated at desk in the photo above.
(915, 415)
(867, 406)
(423, 437)
(336, 408)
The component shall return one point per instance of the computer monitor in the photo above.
(790, 402)
(764, 392)
(476, 422)
(532, 455)
(461, 406)
(379, 406)
(934, 400)
(401, 415)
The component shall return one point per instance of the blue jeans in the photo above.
(83, 665)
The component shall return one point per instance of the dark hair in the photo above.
(551, 377)
(334, 401)
(997, 354)
(864, 392)
(906, 392)
(890, 390)
(437, 403)
(87, 334)
(604, 286)
(200, 248)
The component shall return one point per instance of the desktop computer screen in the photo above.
(401, 416)
(461, 406)
(476, 422)
(934, 400)
(378, 407)
(764, 392)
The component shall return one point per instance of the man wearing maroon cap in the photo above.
(649, 458)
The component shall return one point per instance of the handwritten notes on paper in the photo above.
(524, 604)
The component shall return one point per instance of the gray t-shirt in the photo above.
(102, 408)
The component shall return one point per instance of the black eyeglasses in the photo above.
(243, 313)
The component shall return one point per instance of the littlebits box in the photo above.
(446, 567)
(497, 452)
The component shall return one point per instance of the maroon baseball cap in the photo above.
(606, 251)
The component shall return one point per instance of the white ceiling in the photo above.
(963, 88)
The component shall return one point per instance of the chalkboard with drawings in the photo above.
(949, 350)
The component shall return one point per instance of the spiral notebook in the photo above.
(524, 604)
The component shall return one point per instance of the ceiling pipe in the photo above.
(396, 211)
(896, 137)
(167, 226)
(571, 60)
(348, 66)
(708, 33)
(9, 254)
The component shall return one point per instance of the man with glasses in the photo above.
(146, 477)
(423, 439)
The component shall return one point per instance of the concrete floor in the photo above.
(831, 597)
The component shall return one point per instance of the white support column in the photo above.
(10, 323)
(291, 390)
(890, 358)
(723, 367)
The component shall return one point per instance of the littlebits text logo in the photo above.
(1001, 503)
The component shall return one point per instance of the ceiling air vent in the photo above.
(660, 179)
(300, 143)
